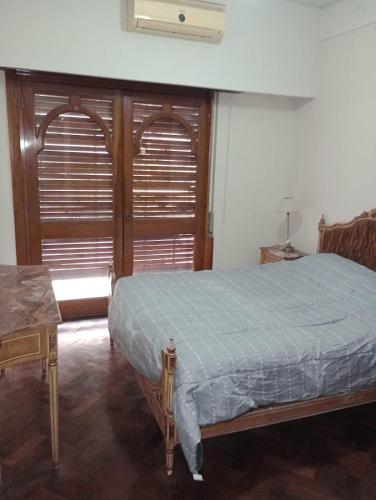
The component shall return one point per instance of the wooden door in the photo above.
(72, 152)
(166, 207)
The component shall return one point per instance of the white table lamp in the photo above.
(287, 206)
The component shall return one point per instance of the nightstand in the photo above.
(276, 254)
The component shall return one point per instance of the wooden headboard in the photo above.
(355, 240)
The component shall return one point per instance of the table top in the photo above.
(27, 298)
(277, 251)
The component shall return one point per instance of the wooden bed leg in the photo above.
(168, 379)
(170, 460)
(112, 281)
(2, 373)
(44, 367)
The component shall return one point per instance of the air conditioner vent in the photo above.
(191, 19)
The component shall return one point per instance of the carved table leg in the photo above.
(52, 379)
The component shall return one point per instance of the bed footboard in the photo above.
(159, 396)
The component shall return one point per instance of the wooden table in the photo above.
(275, 253)
(29, 315)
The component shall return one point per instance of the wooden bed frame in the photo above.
(355, 240)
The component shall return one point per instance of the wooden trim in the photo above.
(128, 235)
(143, 228)
(19, 341)
(79, 229)
(118, 183)
(83, 308)
(289, 412)
(108, 83)
(324, 227)
(54, 113)
(209, 248)
(31, 173)
(263, 417)
(203, 183)
(152, 393)
(355, 240)
(164, 115)
(19, 184)
(158, 396)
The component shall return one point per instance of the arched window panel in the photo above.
(142, 110)
(190, 113)
(75, 171)
(44, 103)
(165, 172)
(101, 107)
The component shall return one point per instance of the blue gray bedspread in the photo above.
(250, 337)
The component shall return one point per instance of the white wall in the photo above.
(334, 165)
(253, 156)
(7, 242)
(346, 16)
(270, 46)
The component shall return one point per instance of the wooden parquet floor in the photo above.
(111, 448)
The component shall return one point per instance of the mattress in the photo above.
(250, 337)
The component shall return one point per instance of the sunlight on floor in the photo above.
(89, 331)
(81, 288)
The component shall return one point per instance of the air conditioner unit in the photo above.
(193, 19)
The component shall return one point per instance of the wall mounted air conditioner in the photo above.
(193, 19)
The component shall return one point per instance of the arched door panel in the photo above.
(169, 175)
(72, 151)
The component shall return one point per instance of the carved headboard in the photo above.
(355, 240)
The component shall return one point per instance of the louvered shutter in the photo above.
(75, 185)
(167, 205)
(71, 153)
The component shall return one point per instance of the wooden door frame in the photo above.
(19, 181)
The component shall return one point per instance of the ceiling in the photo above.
(315, 3)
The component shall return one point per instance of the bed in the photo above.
(217, 352)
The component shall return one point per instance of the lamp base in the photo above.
(288, 247)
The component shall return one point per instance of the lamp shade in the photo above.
(287, 206)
